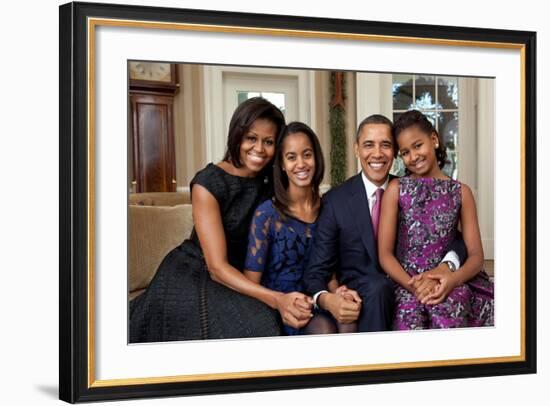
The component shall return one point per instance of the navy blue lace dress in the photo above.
(279, 248)
(182, 302)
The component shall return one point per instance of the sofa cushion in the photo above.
(160, 198)
(153, 232)
(144, 201)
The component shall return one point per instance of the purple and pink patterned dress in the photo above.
(429, 212)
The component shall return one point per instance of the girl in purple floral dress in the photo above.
(420, 216)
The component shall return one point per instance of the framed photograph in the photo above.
(138, 83)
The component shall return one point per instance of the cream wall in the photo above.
(351, 120)
(485, 200)
(189, 124)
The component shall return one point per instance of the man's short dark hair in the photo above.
(373, 119)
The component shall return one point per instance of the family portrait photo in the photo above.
(286, 202)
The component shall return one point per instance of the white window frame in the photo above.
(215, 113)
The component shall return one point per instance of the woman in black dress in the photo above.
(199, 291)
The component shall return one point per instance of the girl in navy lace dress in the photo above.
(282, 229)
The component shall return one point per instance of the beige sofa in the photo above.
(158, 222)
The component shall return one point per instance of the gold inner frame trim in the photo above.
(94, 22)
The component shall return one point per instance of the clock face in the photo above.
(158, 72)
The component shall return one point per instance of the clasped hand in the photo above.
(432, 287)
(344, 304)
(295, 309)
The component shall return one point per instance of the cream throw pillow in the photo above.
(153, 232)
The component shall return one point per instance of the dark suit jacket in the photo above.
(344, 241)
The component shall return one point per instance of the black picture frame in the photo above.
(75, 383)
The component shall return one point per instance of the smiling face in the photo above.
(374, 149)
(298, 160)
(258, 146)
(417, 149)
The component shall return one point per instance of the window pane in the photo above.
(448, 125)
(398, 167)
(244, 95)
(402, 89)
(425, 92)
(278, 99)
(425, 100)
(431, 115)
(447, 92)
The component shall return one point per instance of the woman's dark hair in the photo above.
(280, 178)
(414, 118)
(244, 116)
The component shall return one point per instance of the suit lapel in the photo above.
(359, 206)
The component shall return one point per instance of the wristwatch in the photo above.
(451, 265)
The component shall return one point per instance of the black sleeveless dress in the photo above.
(182, 302)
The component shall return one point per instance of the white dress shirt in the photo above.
(371, 188)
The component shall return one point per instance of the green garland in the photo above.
(337, 125)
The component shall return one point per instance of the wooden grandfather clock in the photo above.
(152, 90)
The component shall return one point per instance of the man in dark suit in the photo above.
(345, 240)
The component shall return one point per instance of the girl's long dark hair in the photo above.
(281, 199)
(414, 118)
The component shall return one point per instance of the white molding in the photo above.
(310, 102)
(467, 148)
(486, 164)
(373, 95)
(305, 93)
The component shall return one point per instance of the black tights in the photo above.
(323, 323)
